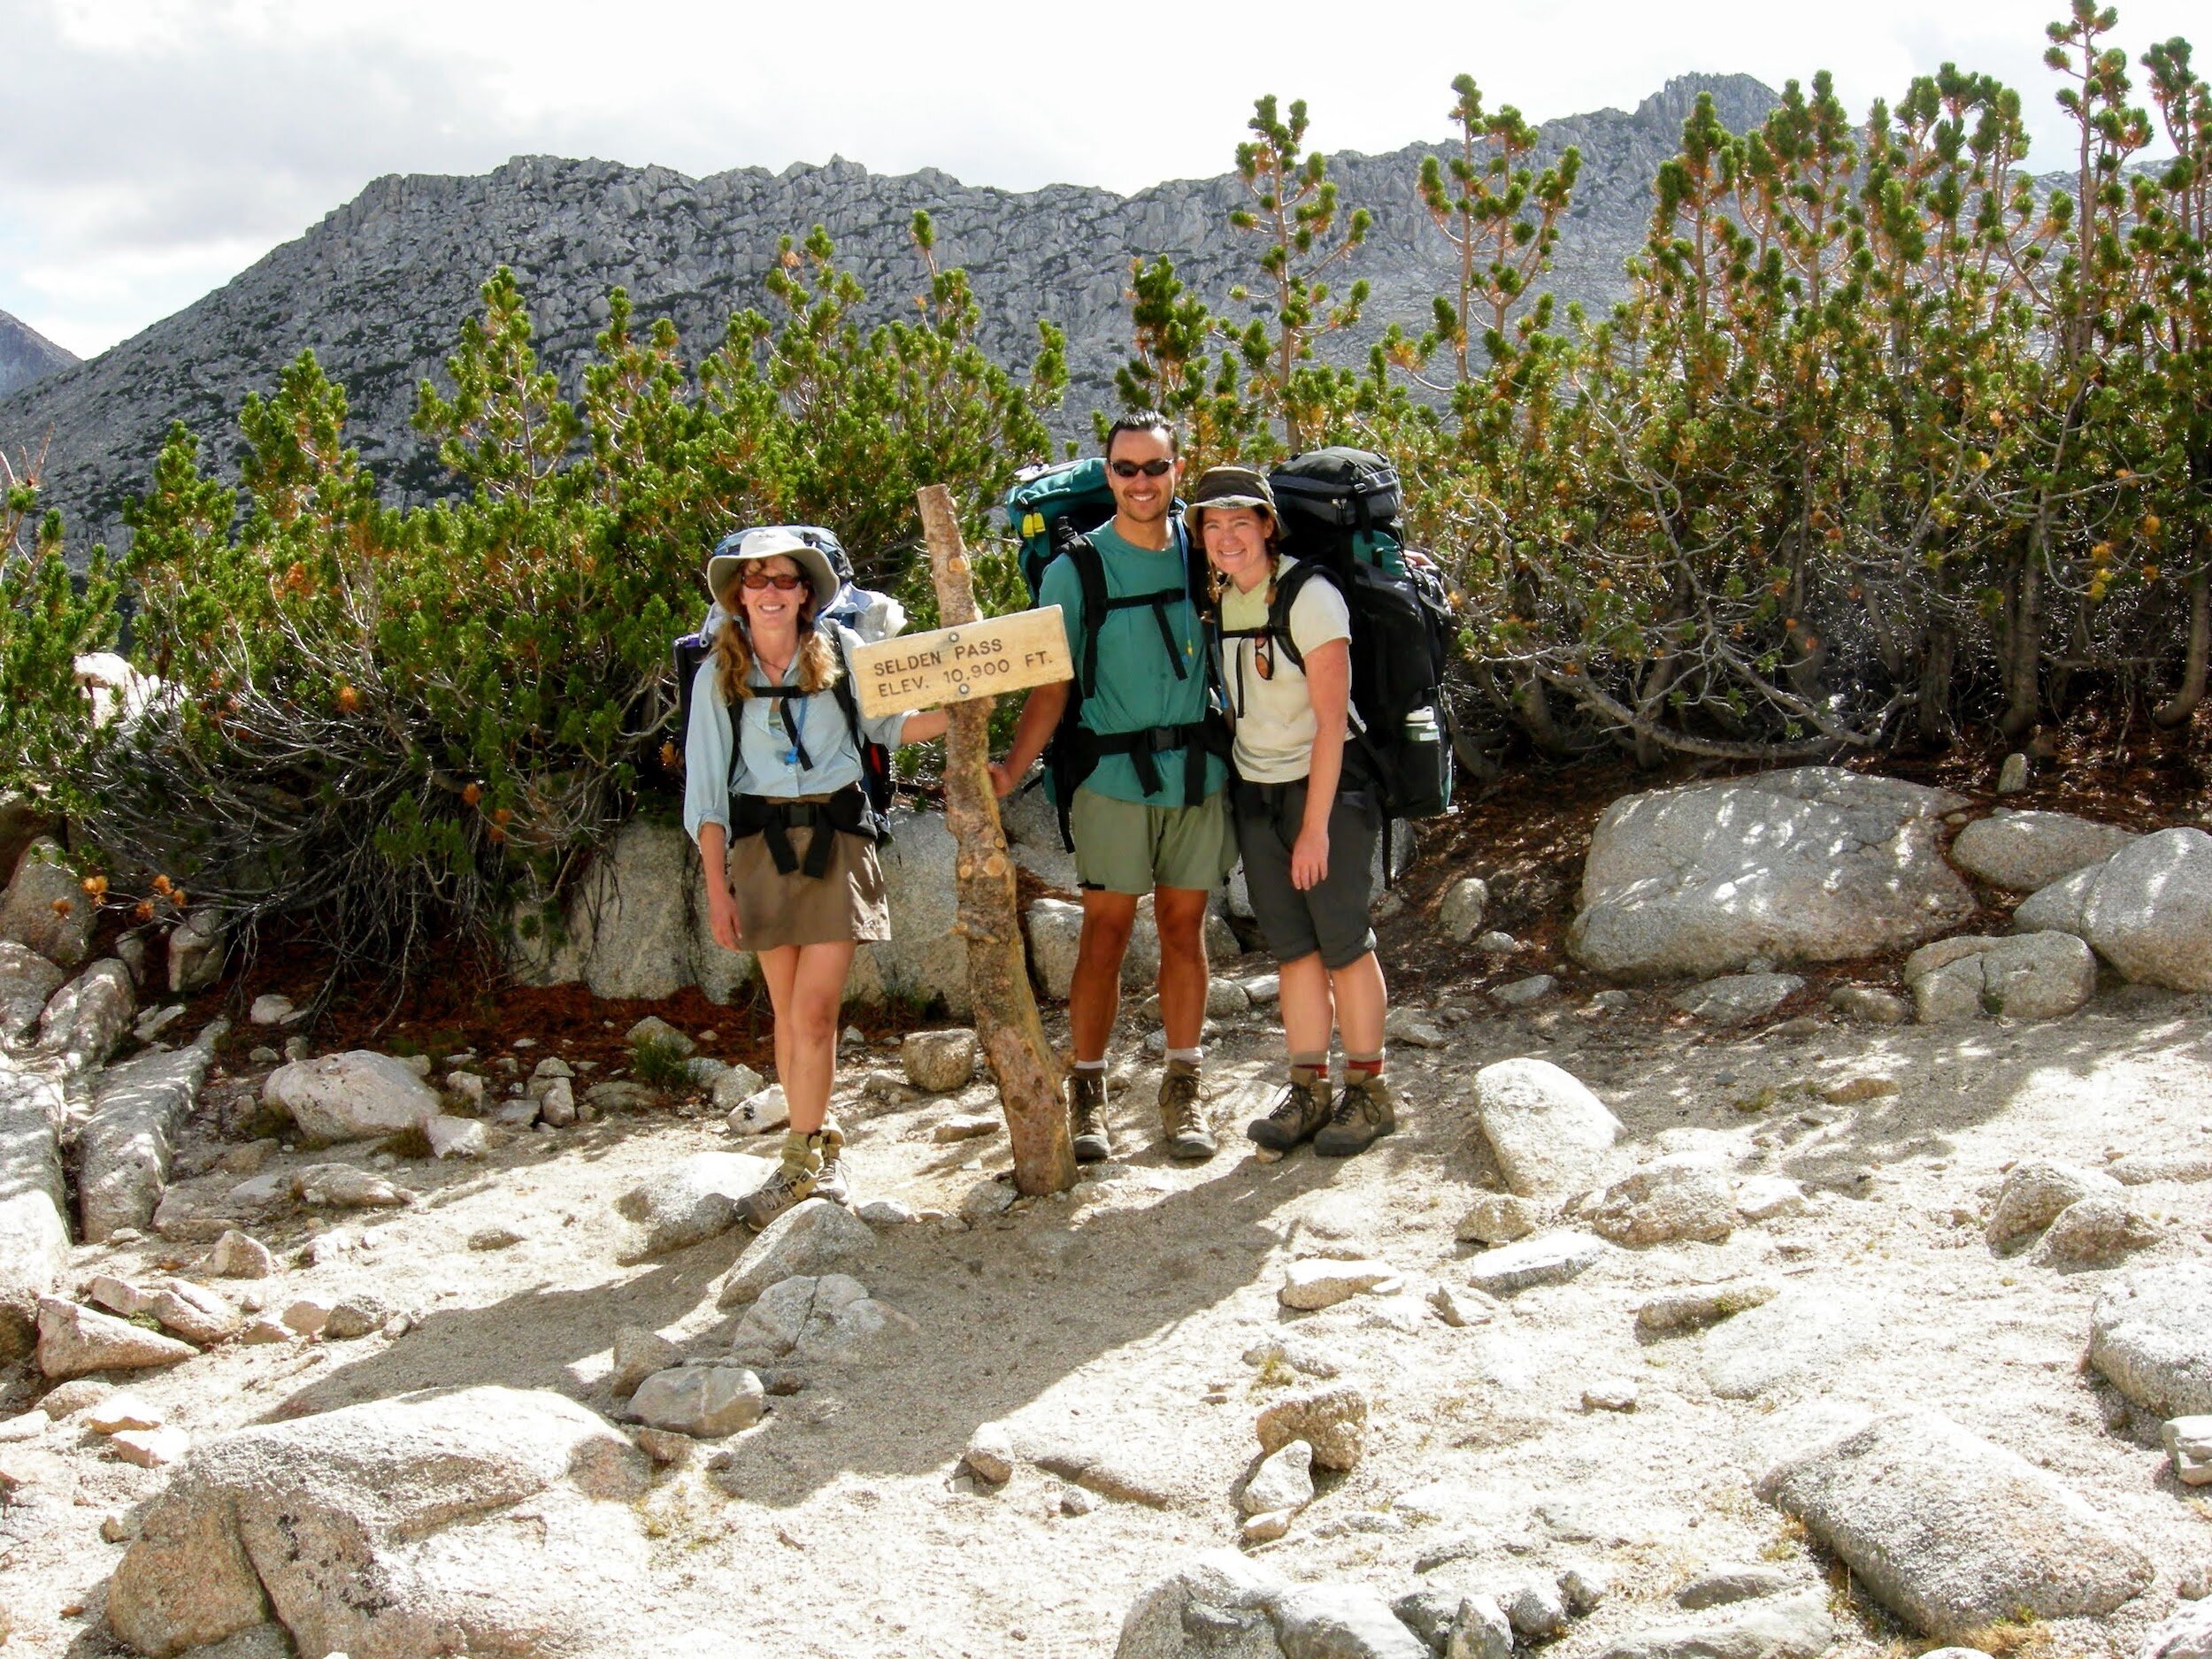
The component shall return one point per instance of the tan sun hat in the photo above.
(1229, 486)
(745, 546)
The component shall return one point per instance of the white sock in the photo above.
(1090, 1065)
(1188, 1056)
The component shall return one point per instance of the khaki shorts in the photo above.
(1126, 847)
(847, 900)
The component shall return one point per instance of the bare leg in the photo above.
(1180, 913)
(806, 987)
(1095, 990)
(1307, 1006)
(1361, 1002)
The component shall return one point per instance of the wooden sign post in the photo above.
(973, 659)
(1006, 1021)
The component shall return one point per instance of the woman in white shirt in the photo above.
(1306, 824)
(772, 795)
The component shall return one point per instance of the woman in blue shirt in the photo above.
(773, 797)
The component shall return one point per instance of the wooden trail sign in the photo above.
(963, 664)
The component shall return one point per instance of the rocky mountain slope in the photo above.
(26, 355)
(380, 287)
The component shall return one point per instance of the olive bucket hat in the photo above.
(1228, 486)
(744, 546)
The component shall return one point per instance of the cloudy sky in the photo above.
(153, 148)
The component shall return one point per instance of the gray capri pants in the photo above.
(1331, 917)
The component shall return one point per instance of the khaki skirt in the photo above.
(847, 900)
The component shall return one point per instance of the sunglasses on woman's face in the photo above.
(1149, 469)
(777, 580)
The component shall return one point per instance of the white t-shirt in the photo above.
(1273, 717)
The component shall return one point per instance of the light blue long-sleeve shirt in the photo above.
(765, 764)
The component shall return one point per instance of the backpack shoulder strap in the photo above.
(1090, 575)
(1287, 588)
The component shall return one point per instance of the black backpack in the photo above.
(877, 784)
(1338, 510)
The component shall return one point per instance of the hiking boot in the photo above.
(794, 1181)
(1189, 1137)
(1364, 1115)
(829, 1180)
(1301, 1108)
(1087, 1118)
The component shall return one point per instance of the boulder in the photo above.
(1521, 993)
(123, 1150)
(34, 1225)
(73, 1342)
(1332, 1421)
(829, 1317)
(351, 1096)
(1673, 1312)
(1739, 1581)
(1325, 1281)
(1810, 865)
(1284, 1480)
(1681, 1197)
(810, 1239)
(629, 926)
(1783, 1627)
(2057, 907)
(1548, 1134)
(239, 1256)
(690, 1201)
(1798, 1339)
(1736, 997)
(88, 1015)
(939, 1062)
(1466, 902)
(343, 1187)
(1217, 1607)
(2097, 1231)
(1869, 1003)
(2027, 975)
(638, 1352)
(1055, 930)
(990, 1454)
(481, 1520)
(27, 981)
(2185, 1633)
(2027, 851)
(1341, 1621)
(2035, 1192)
(1498, 1218)
(2188, 1442)
(1549, 1258)
(2150, 1339)
(455, 1137)
(704, 1402)
(195, 953)
(44, 907)
(1952, 1533)
(2149, 910)
(924, 962)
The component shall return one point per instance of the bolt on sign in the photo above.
(963, 664)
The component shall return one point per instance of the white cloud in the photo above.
(154, 147)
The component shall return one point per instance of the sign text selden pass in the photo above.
(978, 659)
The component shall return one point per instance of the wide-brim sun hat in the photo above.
(1229, 486)
(745, 546)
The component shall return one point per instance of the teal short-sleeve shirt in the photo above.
(1137, 686)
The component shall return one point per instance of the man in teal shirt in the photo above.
(1151, 817)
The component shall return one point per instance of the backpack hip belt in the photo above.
(1197, 739)
(847, 812)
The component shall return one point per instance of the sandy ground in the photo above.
(1113, 1320)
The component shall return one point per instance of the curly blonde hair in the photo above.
(819, 664)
